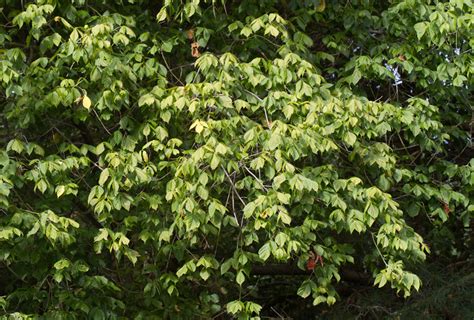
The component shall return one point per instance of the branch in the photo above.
(293, 270)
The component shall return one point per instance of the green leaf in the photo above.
(215, 161)
(264, 251)
(182, 271)
(235, 307)
(381, 280)
(420, 29)
(459, 80)
(274, 141)
(226, 266)
(331, 300)
(104, 175)
(204, 274)
(356, 76)
(146, 99)
(15, 145)
(413, 209)
(203, 193)
(99, 149)
(284, 217)
(384, 183)
(132, 255)
(60, 190)
(350, 138)
(319, 300)
(103, 235)
(306, 288)
(240, 278)
(283, 197)
(62, 264)
(162, 15)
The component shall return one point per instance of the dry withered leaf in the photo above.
(190, 34)
(195, 50)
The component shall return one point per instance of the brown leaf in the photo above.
(446, 208)
(195, 50)
(190, 34)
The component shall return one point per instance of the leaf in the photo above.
(33, 230)
(413, 209)
(147, 99)
(246, 31)
(384, 183)
(306, 288)
(420, 29)
(195, 50)
(41, 185)
(459, 80)
(62, 264)
(283, 197)
(321, 6)
(86, 102)
(182, 271)
(215, 161)
(356, 76)
(165, 235)
(264, 251)
(104, 175)
(167, 46)
(202, 192)
(204, 274)
(331, 300)
(280, 239)
(319, 300)
(381, 279)
(103, 235)
(350, 138)
(274, 141)
(235, 307)
(199, 126)
(221, 149)
(60, 190)
(284, 217)
(240, 278)
(132, 255)
(253, 307)
(162, 14)
(416, 282)
(99, 149)
(226, 266)
(16, 145)
(166, 116)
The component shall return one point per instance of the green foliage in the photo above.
(154, 155)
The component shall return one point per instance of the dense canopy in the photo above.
(197, 159)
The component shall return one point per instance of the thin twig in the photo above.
(170, 70)
(103, 126)
(235, 191)
(264, 109)
(380, 253)
(258, 180)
